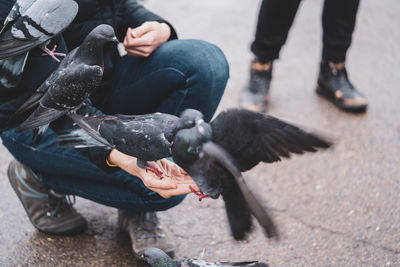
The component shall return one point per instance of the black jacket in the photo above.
(120, 14)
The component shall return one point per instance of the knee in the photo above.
(208, 62)
(199, 60)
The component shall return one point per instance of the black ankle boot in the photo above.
(334, 85)
(254, 95)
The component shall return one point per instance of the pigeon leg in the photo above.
(155, 170)
(200, 194)
(52, 53)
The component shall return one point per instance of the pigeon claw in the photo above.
(156, 171)
(200, 194)
(52, 53)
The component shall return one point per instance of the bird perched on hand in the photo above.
(158, 258)
(30, 24)
(78, 75)
(215, 153)
(141, 136)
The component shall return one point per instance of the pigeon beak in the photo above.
(200, 121)
(115, 40)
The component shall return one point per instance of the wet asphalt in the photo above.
(340, 207)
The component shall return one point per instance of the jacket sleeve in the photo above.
(136, 15)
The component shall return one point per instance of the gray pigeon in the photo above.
(141, 136)
(235, 141)
(30, 24)
(78, 75)
(157, 258)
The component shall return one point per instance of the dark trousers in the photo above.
(276, 17)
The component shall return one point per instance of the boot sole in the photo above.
(61, 232)
(355, 109)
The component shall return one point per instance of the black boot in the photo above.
(254, 95)
(334, 85)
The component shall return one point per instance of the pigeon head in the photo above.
(188, 143)
(103, 34)
(157, 258)
(188, 119)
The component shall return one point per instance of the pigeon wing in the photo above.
(60, 97)
(251, 137)
(20, 6)
(45, 19)
(41, 116)
(33, 100)
(213, 165)
(41, 22)
(11, 70)
(10, 46)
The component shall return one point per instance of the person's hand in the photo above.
(143, 40)
(175, 180)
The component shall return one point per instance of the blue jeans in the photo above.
(180, 74)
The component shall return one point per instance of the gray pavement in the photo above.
(335, 208)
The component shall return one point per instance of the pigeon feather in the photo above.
(78, 75)
(30, 24)
(155, 257)
(248, 138)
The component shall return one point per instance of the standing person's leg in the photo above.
(274, 21)
(338, 21)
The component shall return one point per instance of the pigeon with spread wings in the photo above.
(235, 141)
(213, 154)
(30, 24)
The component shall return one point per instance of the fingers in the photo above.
(143, 40)
(180, 190)
(141, 30)
(153, 182)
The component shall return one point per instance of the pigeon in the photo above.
(215, 153)
(78, 75)
(155, 257)
(141, 136)
(30, 24)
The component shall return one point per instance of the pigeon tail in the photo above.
(89, 125)
(77, 138)
(253, 203)
(11, 70)
(239, 215)
(38, 133)
(41, 116)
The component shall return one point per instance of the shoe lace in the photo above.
(59, 203)
(148, 226)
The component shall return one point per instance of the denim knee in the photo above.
(204, 59)
(205, 69)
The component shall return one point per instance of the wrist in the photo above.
(166, 31)
(110, 157)
(125, 162)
